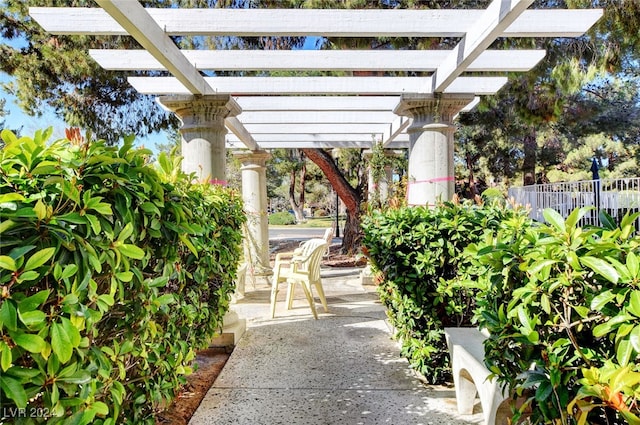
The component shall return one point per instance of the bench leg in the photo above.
(465, 393)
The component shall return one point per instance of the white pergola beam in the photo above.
(312, 138)
(317, 22)
(317, 103)
(495, 19)
(321, 60)
(310, 117)
(236, 127)
(316, 128)
(138, 23)
(395, 129)
(273, 144)
(320, 85)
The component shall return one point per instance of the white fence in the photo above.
(615, 196)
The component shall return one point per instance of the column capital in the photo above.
(428, 109)
(253, 158)
(201, 111)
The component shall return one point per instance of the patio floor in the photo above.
(343, 368)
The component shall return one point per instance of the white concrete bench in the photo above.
(470, 376)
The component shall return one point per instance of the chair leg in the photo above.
(312, 303)
(274, 295)
(323, 300)
(290, 290)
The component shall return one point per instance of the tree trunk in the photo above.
(529, 162)
(350, 197)
(295, 205)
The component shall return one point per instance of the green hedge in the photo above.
(424, 275)
(282, 218)
(562, 305)
(113, 272)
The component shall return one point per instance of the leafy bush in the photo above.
(418, 253)
(282, 218)
(562, 306)
(112, 274)
(320, 213)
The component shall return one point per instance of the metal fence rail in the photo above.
(615, 196)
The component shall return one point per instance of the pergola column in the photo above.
(431, 169)
(382, 186)
(203, 132)
(254, 195)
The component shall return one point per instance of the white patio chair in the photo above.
(303, 269)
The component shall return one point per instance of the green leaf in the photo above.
(14, 390)
(165, 299)
(9, 315)
(80, 377)
(185, 239)
(601, 267)
(544, 391)
(602, 299)
(34, 301)
(554, 218)
(72, 331)
(32, 319)
(61, 342)
(69, 271)
(126, 232)
(576, 215)
(632, 264)
(28, 276)
(40, 209)
(623, 352)
(8, 263)
(124, 276)
(30, 342)
(607, 221)
(6, 358)
(6, 224)
(39, 258)
(95, 223)
(634, 303)
(103, 208)
(634, 338)
(539, 265)
(100, 408)
(545, 304)
(11, 197)
(132, 251)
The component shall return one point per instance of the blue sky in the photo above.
(17, 119)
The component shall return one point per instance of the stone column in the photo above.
(431, 169)
(254, 195)
(382, 186)
(203, 132)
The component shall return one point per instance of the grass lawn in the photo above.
(315, 222)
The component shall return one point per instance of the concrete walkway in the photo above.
(343, 368)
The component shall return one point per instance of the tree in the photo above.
(3, 113)
(351, 196)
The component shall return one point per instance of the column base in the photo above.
(232, 330)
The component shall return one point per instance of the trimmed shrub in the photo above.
(282, 218)
(424, 275)
(562, 305)
(113, 273)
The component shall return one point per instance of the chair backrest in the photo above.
(315, 258)
(328, 235)
(308, 246)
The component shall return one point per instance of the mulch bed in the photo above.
(210, 362)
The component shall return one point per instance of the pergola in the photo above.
(265, 112)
